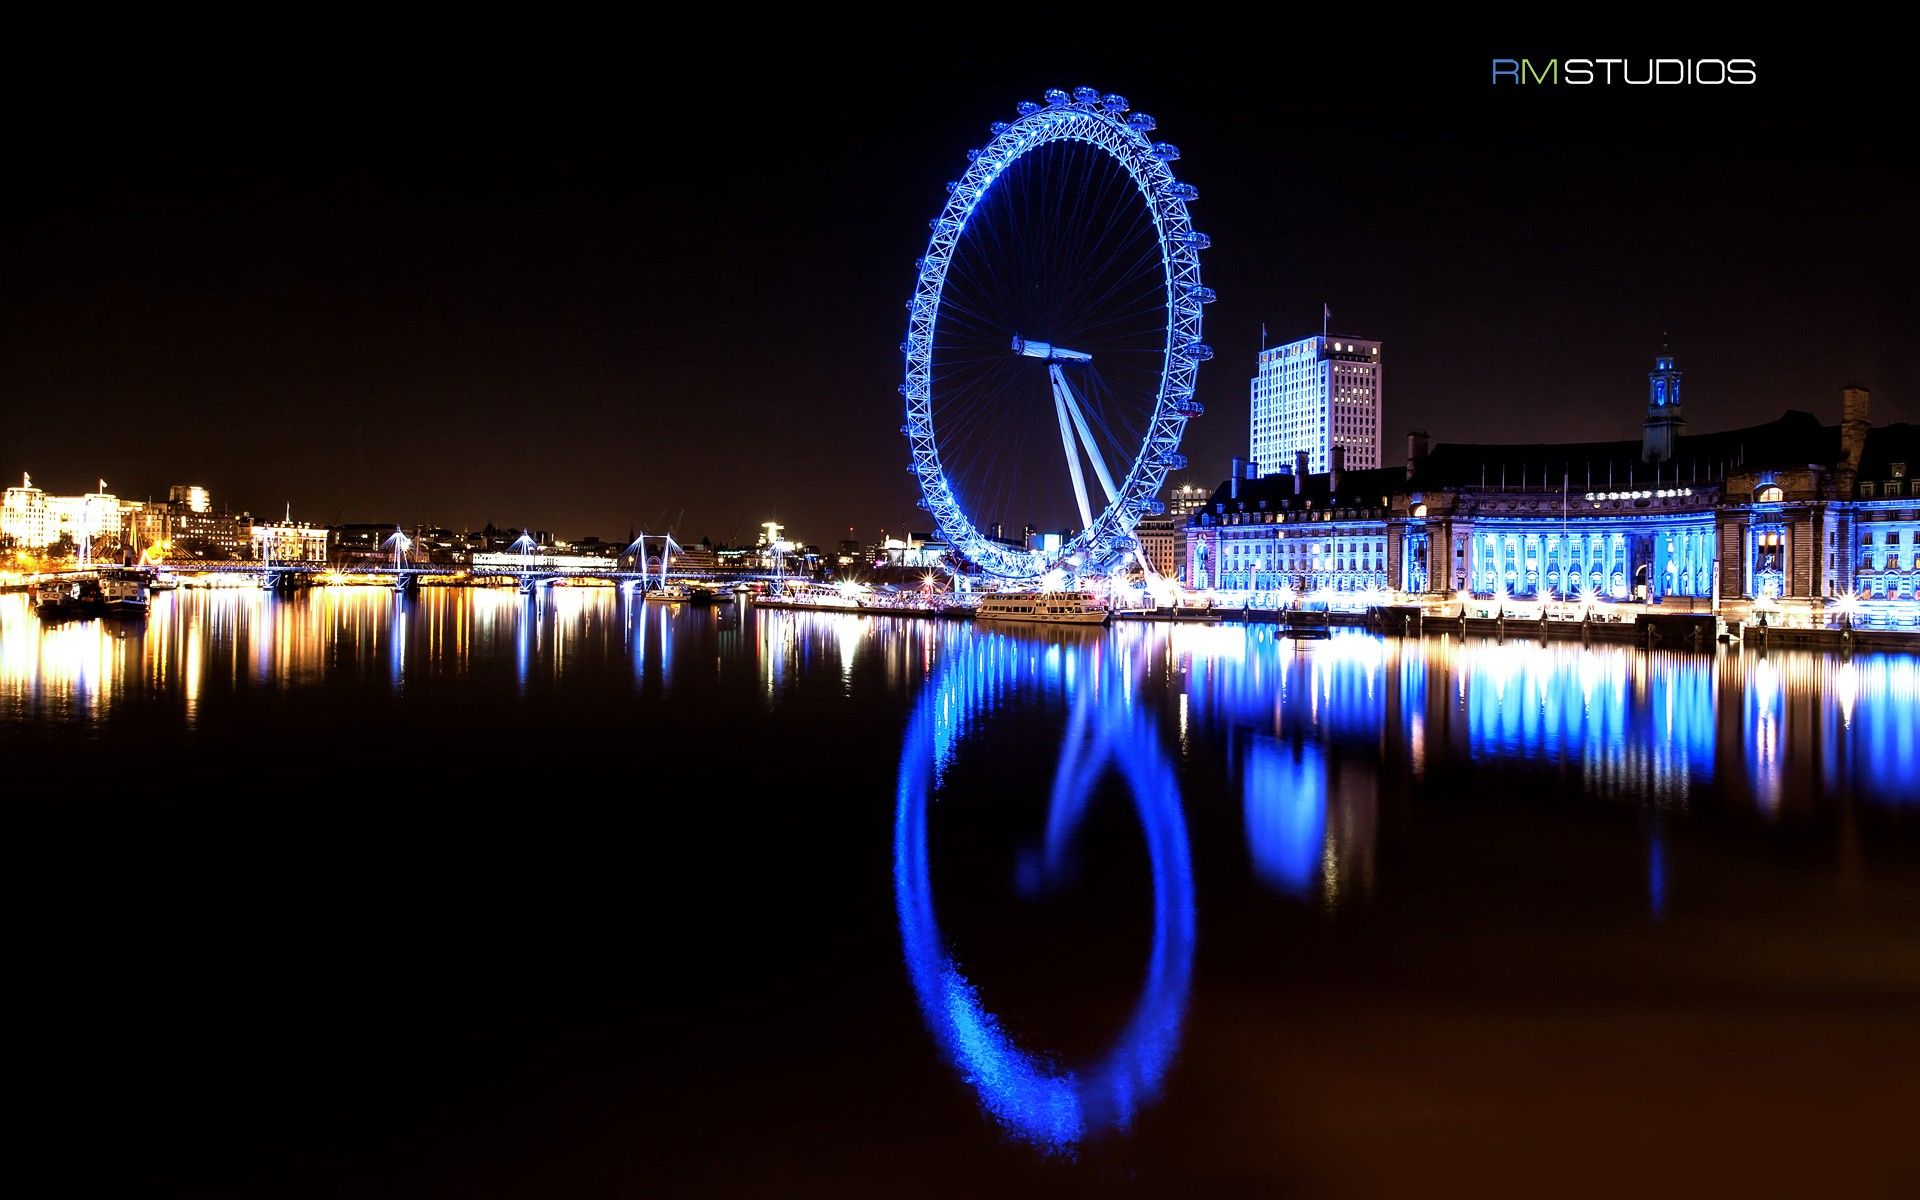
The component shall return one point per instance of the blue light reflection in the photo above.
(1049, 1106)
(1285, 794)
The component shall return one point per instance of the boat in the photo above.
(707, 597)
(1047, 608)
(57, 599)
(667, 593)
(124, 593)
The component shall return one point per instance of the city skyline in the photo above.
(908, 517)
(562, 323)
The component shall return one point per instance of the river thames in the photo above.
(468, 893)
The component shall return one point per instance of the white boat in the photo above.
(671, 593)
(1047, 608)
(124, 593)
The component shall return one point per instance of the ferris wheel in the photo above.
(1056, 316)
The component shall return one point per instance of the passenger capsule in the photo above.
(1166, 151)
(1203, 295)
(1173, 460)
(998, 128)
(1086, 95)
(1026, 108)
(1196, 239)
(1186, 193)
(1054, 96)
(1114, 103)
(1199, 351)
(1141, 123)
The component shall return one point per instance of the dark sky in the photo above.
(582, 283)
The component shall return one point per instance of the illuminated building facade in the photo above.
(190, 496)
(1315, 394)
(1793, 509)
(32, 519)
(1163, 544)
(1298, 532)
(1186, 498)
(290, 541)
(188, 525)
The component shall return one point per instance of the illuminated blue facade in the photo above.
(1794, 510)
(1298, 534)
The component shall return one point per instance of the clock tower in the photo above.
(1666, 422)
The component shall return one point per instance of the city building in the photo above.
(917, 550)
(191, 497)
(188, 525)
(1163, 544)
(1186, 498)
(1791, 510)
(1313, 395)
(33, 519)
(1296, 532)
(361, 543)
(290, 541)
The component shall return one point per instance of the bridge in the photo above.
(522, 563)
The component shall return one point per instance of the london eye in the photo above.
(1053, 338)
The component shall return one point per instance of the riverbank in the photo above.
(951, 612)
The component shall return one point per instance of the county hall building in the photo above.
(1791, 510)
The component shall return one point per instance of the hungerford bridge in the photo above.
(522, 563)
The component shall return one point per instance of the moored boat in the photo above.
(56, 599)
(1047, 608)
(124, 594)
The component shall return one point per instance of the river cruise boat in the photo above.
(1047, 608)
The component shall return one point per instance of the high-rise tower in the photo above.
(1315, 394)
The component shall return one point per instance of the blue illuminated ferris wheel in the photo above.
(1057, 314)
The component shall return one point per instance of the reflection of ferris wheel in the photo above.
(1057, 308)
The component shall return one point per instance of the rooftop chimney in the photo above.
(1233, 481)
(1253, 470)
(1339, 468)
(1299, 471)
(1853, 425)
(1417, 444)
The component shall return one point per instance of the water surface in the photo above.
(478, 894)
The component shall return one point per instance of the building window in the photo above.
(1770, 494)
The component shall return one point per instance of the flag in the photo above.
(1326, 314)
(1263, 335)
(103, 486)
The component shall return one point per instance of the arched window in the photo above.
(1771, 494)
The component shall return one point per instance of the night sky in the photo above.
(583, 286)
